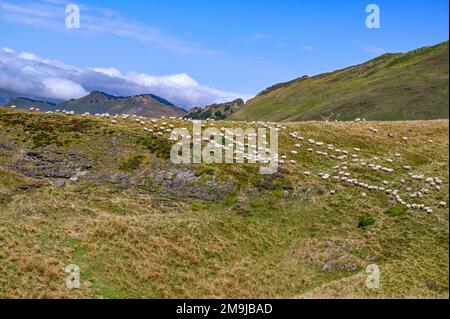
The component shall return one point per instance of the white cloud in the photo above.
(63, 89)
(50, 14)
(31, 75)
(262, 36)
(308, 48)
(370, 48)
(8, 50)
(111, 72)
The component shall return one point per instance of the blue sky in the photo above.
(225, 48)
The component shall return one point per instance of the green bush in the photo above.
(366, 221)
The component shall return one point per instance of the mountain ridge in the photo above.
(393, 86)
(148, 105)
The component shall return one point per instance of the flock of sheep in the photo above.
(341, 173)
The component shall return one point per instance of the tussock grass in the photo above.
(282, 236)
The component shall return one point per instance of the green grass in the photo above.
(271, 236)
(396, 210)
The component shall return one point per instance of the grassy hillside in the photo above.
(216, 111)
(103, 196)
(407, 86)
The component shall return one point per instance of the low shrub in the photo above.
(365, 221)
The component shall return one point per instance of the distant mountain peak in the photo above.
(148, 105)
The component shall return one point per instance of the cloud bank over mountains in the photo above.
(31, 75)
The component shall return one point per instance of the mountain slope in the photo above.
(5, 95)
(26, 103)
(402, 86)
(216, 111)
(144, 105)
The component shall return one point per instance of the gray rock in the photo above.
(59, 183)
